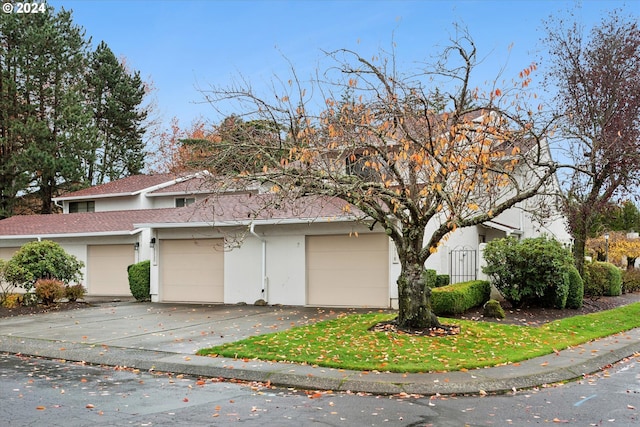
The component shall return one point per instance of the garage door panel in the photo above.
(192, 270)
(107, 269)
(348, 271)
(7, 253)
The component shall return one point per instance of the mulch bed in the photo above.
(40, 308)
(529, 316)
(536, 316)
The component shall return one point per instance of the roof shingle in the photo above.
(124, 186)
(222, 210)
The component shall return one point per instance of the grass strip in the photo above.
(346, 342)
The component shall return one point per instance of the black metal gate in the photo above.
(463, 265)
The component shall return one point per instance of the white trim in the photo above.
(501, 227)
(64, 235)
(90, 197)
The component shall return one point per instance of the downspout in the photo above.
(264, 261)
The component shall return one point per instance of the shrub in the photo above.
(74, 293)
(556, 296)
(631, 280)
(529, 272)
(576, 289)
(602, 279)
(5, 288)
(460, 297)
(42, 260)
(492, 308)
(11, 300)
(49, 290)
(430, 278)
(442, 280)
(139, 280)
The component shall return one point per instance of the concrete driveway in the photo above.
(175, 328)
(165, 337)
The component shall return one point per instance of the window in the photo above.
(359, 165)
(75, 207)
(184, 201)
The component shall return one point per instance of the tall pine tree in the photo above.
(114, 97)
(53, 91)
(69, 117)
(13, 113)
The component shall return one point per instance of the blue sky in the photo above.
(184, 45)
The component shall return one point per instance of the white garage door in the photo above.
(192, 270)
(348, 271)
(107, 269)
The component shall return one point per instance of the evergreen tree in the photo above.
(42, 88)
(69, 117)
(114, 96)
(54, 90)
(14, 119)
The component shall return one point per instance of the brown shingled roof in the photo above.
(236, 209)
(243, 208)
(124, 186)
(78, 223)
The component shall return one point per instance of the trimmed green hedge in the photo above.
(442, 280)
(631, 280)
(434, 280)
(140, 280)
(460, 297)
(602, 279)
(430, 278)
(576, 289)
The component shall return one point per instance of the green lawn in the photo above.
(347, 343)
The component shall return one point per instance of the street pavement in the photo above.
(164, 337)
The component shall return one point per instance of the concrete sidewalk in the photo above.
(164, 337)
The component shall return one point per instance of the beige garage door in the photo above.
(7, 253)
(107, 269)
(348, 271)
(192, 270)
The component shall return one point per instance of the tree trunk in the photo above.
(579, 245)
(414, 299)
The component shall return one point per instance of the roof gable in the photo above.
(128, 186)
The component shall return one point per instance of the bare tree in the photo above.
(417, 155)
(599, 99)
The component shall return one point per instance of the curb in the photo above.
(566, 365)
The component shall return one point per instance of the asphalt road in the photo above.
(42, 392)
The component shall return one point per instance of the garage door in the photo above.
(192, 270)
(348, 271)
(107, 269)
(7, 253)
